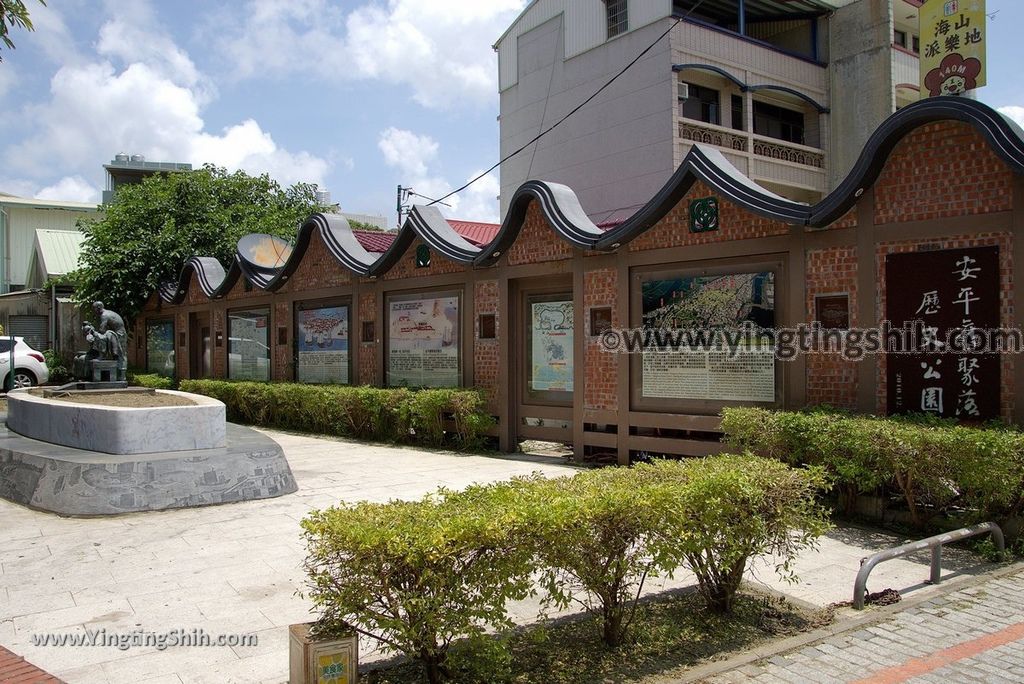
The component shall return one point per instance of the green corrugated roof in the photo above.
(58, 250)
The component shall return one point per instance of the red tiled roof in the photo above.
(475, 232)
(374, 241)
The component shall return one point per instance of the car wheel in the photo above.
(23, 378)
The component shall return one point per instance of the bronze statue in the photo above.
(108, 342)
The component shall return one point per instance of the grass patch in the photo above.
(672, 631)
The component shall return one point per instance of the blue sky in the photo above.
(354, 96)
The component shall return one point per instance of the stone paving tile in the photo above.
(235, 568)
(972, 635)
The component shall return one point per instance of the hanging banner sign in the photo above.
(952, 46)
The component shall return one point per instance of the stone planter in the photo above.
(333, 661)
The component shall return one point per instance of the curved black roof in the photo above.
(561, 208)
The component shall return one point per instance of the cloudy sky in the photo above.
(355, 96)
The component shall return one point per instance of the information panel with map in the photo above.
(551, 343)
(423, 342)
(322, 345)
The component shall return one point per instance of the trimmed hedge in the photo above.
(417, 576)
(151, 380)
(937, 466)
(432, 417)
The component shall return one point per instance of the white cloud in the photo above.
(1014, 112)
(7, 79)
(140, 94)
(439, 49)
(71, 189)
(415, 156)
(407, 151)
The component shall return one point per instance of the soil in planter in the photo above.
(122, 399)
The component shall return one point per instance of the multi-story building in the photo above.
(787, 90)
(125, 169)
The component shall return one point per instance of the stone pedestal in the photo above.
(333, 661)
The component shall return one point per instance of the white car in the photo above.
(29, 365)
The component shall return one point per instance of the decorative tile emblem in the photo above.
(703, 214)
(422, 256)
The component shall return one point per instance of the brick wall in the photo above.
(830, 378)
(942, 170)
(317, 269)
(367, 371)
(485, 362)
(537, 242)
(601, 392)
(283, 366)
(734, 224)
(406, 266)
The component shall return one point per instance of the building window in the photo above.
(737, 112)
(907, 41)
(778, 122)
(701, 105)
(618, 20)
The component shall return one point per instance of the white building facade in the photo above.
(787, 90)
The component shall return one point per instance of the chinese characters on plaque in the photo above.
(951, 295)
(952, 58)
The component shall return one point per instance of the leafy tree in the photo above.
(152, 228)
(14, 13)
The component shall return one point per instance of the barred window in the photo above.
(617, 17)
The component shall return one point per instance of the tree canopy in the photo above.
(151, 228)
(13, 13)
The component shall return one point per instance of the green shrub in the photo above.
(600, 534)
(151, 380)
(433, 417)
(416, 576)
(937, 466)
(58, 370)
(727, 510)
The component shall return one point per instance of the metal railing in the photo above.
(934, 543)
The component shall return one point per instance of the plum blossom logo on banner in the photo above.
(953, 76)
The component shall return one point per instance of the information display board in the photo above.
(249, 345)
(160, 348)
(702, 366)
(423, 341)
(321, 342)
(551, 342)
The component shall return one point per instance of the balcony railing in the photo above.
(720, 137)
(710, 134)
(791, 152)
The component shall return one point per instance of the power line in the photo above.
(576, 108)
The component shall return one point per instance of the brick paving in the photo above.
(16, 670)
(974, 634)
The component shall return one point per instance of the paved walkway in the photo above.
(234, 569)
(974, 634)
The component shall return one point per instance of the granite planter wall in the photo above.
(119, 430)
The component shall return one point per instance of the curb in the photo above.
(847, 621)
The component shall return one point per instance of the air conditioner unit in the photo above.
(684, 91)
